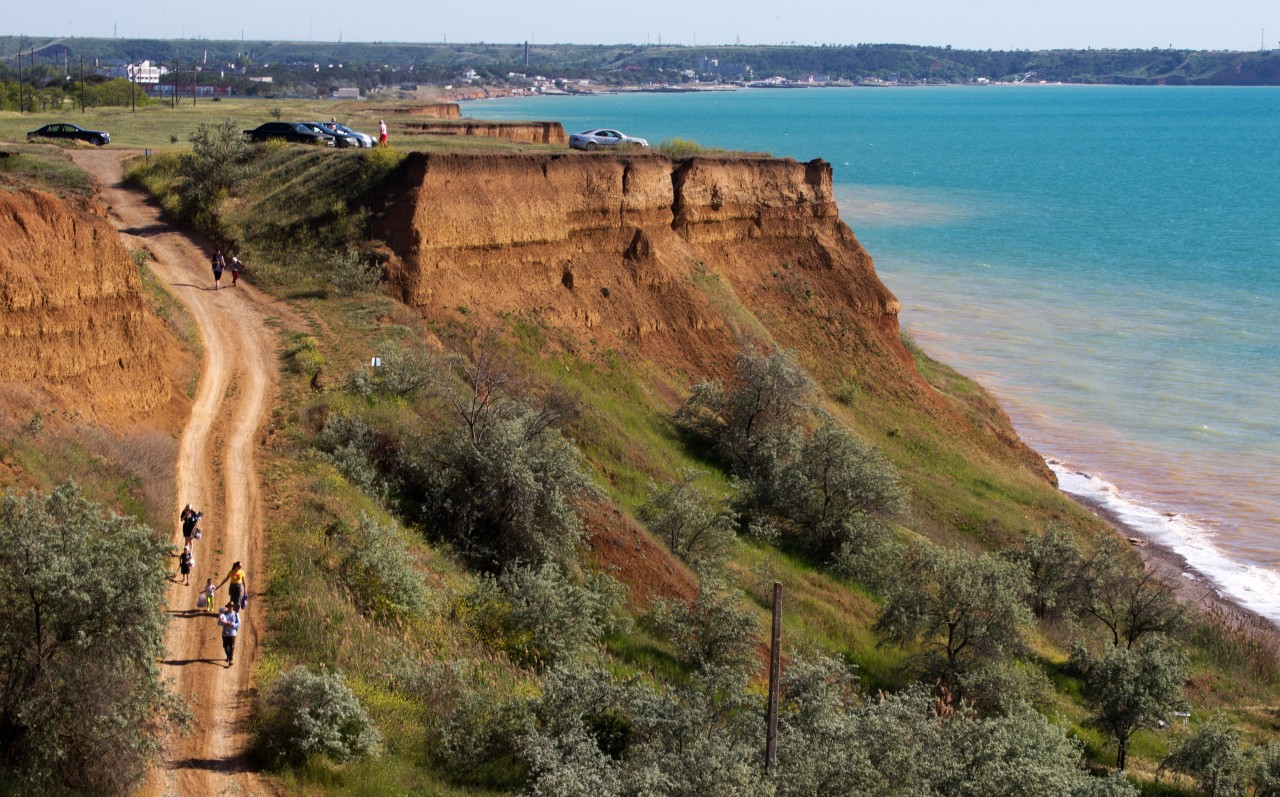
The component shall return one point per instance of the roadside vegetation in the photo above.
(441, 620)
(82, 704)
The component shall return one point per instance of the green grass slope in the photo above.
(298, 219)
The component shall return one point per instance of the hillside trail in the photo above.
(217, 474)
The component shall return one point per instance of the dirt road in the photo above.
(216, 474)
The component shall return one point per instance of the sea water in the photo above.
(1105, 259)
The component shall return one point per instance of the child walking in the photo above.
(205, 601)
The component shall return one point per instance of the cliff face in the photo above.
(434, 110)
(680, 260)
(635, 247)
(520, 132)
(72, 317)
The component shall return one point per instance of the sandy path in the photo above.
(216, 474)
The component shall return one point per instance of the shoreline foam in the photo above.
(1183, 548)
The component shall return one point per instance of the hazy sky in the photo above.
(974, 24)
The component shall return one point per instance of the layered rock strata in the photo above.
(72, 317)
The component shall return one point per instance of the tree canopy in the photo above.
(81, 631)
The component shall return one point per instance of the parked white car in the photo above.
(603, 137)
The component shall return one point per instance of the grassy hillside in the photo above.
(454, 616)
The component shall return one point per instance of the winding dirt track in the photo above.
(217, 474)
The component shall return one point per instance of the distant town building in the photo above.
(266, 79)
(712, 66)
(347, 93)
(144, 72)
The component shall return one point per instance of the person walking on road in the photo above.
(229, 619)
(239, 587)
(219, 263)
(185, 562)
(236, 268)
(382, 133)
(205, 601)
(190, 518)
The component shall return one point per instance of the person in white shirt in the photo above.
(229, 619)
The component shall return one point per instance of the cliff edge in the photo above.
(679, 259)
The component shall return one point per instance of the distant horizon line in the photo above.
(646, 45)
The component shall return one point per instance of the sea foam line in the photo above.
(1251, 586)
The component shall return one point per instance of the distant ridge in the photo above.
(631, 64)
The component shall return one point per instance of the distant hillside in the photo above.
(386, 63)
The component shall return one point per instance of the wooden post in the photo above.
(775, 675)
(82, 84)
(21, 84)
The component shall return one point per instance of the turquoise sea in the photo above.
(1105, 259)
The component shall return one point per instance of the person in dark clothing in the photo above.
(219, 263)
(190, 518)
(185, 562)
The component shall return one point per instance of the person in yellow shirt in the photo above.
(239, 588)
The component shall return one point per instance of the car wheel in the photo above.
(591, 146)
(99, 141)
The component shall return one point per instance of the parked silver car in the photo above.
(603, 137)
(366, 140)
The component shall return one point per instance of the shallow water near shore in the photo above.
(1105, 259)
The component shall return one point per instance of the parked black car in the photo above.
(98, 137)
(289, 131)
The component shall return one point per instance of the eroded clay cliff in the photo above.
(634, 247)
(73, 323)
(679, 260)
(519, 132)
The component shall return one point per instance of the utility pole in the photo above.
(82, 84)
(133, 84)
(195, 79)
(775, 676)
(21, 85)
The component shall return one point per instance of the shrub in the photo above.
(404, 372)
(713, 631)
(353, 272)
(689, 521)
(1054, 568)
(304, 356)
(590, 734)
(1214, 758)
(1131, 601)
(503, 484)
(350, 443)
(754, 421)
(480, 741)
(82, 625)
(593, 735)
(211, 171)
(541, 616)
(309, 714)
(680, 148)
(1130, 688)
(1266, 773)
(377, 569)
(834, 489)
(378, 162)
(964, 609)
